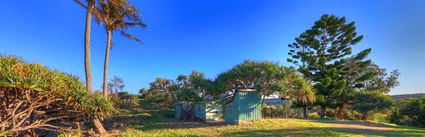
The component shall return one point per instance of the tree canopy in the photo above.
(263, 76)
(321, 53)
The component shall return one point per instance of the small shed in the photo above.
(246, 106)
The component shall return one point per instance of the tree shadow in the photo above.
(168, 123)
(353, 123)
(152, 121)
(320, 131)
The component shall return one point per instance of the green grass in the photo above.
(157, 125)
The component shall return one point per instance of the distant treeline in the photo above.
(403, 96)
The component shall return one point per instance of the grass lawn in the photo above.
(143, 124)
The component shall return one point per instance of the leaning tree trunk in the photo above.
(87, 46)
(105, 67)
(98, 125)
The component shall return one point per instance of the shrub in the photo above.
(35, 97)
(380, 118)
(125, 100)
(314, 115)
(412, 112)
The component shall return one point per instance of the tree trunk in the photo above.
(305, 112)
(105, 67)
(340, 112)
(322, 111)
(98, 125)
(365, 116)
(87, 47)
(262, 100)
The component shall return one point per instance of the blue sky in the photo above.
(210, 36)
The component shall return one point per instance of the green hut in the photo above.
(246, 106)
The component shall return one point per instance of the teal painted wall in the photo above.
(178, 108)
(246, 106)
(200, 111)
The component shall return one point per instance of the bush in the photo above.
(37, 99)
(410, 112)
(380, 118)
(314, 115)
(159, 99)
(125, 100)
(281, 112)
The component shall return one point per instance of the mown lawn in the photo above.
(146, 125)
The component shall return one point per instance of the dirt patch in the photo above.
(361, 126)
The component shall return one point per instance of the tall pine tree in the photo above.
(320, 53)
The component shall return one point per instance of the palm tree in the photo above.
(117, 15)
(304, 94)
(89, 7)
(91, 10)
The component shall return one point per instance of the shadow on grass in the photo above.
(353, 123)
(157, 123)
(143, 121)
(322, 131)
(359, 126)
(146, 120)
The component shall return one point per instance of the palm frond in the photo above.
(129, 36)
(81, 4)
(136, 24)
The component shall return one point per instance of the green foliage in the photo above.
(371, 102)
(281, 112)
(323, 54)
(320, 52)
(411, 112)
(125, 100)
(314, 115)
(56, 96)
(191, 89)
(301, 89)
(188, 95)
(4, 134)
(263, 76)
(118, 15)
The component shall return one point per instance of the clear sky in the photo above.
(210, 36)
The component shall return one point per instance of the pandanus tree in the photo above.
(190, 91)
(34, 99)
(117, 16)
(186, 89)
(159, 92)
(167, 91)
(262, 76)
(268, 78)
